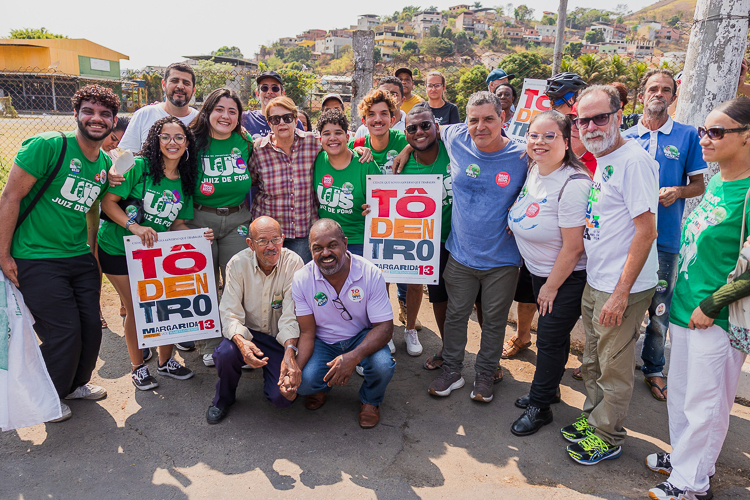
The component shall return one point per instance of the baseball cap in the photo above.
(497, 74)
(269, 74)
(332, 96)
(404, 70)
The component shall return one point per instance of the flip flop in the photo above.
(577, 373)
(431, 361)
(661, 390)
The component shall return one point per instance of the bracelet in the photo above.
(294, 348)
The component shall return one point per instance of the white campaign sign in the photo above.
(402, 230)
(173, 288)
(532, 102)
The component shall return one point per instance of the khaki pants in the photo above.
(609, 362)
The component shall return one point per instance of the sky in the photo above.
(155, 33)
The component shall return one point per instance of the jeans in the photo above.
(553, 336)
(300, 246)
(378, 366)
(401, 292)
(658, 314)
(63, 296)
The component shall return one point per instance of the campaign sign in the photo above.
(173, 288)
(402, 230)
(532, 102)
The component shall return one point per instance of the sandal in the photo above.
(513, 347)
(577, 373)
(498, 377)
(652, 385)
(430, 363)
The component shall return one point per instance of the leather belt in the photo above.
(224, 211)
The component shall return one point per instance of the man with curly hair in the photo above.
(43, 244)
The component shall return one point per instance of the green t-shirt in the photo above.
(341, 194)
(164, 202)
(56, 227)
(709, 248)
(440, 166)
(224, 180)
(384, 159)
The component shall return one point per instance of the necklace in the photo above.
(432, 165)
(738, 175)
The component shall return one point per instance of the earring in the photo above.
(187, 153)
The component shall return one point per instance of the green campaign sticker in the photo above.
(131, 211)
(661, 286)
(607, 172)
(276, 304)
(672, 152)
(347, 188)
(320, 298)
(473, 170)
(242, 231)
(717, 216)
(75, 165)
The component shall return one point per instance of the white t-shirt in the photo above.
(536, 217)
(363, 131)
(142, 121)
(626, 185)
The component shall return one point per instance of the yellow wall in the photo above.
(15, 58)
(22, 54)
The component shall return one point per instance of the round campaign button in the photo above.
(207, 188)
(502, 179)
(356, 294)
(532, 210)
(327, 181)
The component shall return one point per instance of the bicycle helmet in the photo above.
(563, 87)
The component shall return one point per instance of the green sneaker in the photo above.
(578, 430)
(592, 450)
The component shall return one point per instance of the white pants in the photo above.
(703, 375)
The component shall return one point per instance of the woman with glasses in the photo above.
(223, 185)
(445, 112)
(339, 179)
(705, 368)
(164, 178)
(547, 220)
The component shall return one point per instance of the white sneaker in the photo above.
(66, 413)
(392, 346)
(413, 347)
(360, 371)
(88, 391)
(208, 360)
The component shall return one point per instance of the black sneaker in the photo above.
(446, 383)
(147, 354)
(578, 430)
(185, 346)
(142, 379)
(667, 491)
(592, 450)
(175, 370)
(483, 387)
(660, 462)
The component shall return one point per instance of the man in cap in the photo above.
(496, 77)
(269, 86)
(407, 80)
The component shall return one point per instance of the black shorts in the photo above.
(437, 292)
(524, 289)
(112, 264)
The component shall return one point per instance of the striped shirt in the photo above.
(285, 190)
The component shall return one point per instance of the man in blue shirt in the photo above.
(675, 147)
(487, 173)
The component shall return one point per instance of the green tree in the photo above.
(33, 33)
(493, 41)
(280, 52)
(568, 65)
(410, 47)
(298, 85)
(522, 13)
(434, 31)
(592, 68)
(635, 74)
(377, 55)
(210, 75)
(477, 5)
(299, 54)
(228, 52)
(463, 43)
(673, 21)
(617, 68)
(549, 20)
(437, 47)
(470, 82)
(525, 65)
(594, 36)
(573, 49)
(448, 33)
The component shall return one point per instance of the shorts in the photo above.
(112, 264)
(437, 292)
(524, 289)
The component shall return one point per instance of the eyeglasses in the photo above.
(434, 85)
(276, 119)
(599, 120)
(340, 306)
(717, 133)
(166, 138)
(263, 243)
(546, 137)
(274, 88)
(425, 125)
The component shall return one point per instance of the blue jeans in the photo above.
(300, 246)
(378, 367)
(658, 315)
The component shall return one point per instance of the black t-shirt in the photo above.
(447, 114)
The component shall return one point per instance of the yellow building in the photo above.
(390, 43)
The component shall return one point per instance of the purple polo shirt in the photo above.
(364, 295)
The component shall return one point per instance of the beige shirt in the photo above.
(254, 301)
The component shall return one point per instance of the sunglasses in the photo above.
(166, 139)
(599, 120)
(276, 119)
(274, 88)
(546, 137)
(717, 133)
(425, 125)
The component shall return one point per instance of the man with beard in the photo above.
(43, 239)
(681, 167)
(345, 319)
(619, 238)
(258, 321)
(268, 86)
(178, 86)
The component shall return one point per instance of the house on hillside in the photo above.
(423, 20)
(514, 34)
(546, 30)
(332, 44)
(641, 49)
(367, 22)
(390, 43)
(667, 34)
(465, 22)
(491, 59)
(457, 8)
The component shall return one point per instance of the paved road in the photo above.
(157, 444)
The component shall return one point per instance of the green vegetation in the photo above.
(228, 52)
(33, 33)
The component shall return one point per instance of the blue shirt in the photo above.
(256, 124)
(675, 147)
(485, 185)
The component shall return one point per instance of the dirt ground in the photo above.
(157, 444)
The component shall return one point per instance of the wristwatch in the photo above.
(129, 223)
(294, 348)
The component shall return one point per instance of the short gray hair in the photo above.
(614, 96)
(485, 97)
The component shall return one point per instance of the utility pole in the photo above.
(363, 46)
(562, 12)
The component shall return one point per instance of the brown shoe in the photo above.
(315, 401)
(369, 416)
(513, 346)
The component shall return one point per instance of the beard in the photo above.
(610, 138)
(90, 136)
(656, 109)
(178, 101)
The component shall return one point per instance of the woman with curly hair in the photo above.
(164, 177)
(223, 151)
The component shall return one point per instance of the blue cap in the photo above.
(497, 74)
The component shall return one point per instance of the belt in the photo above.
(219, 210)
